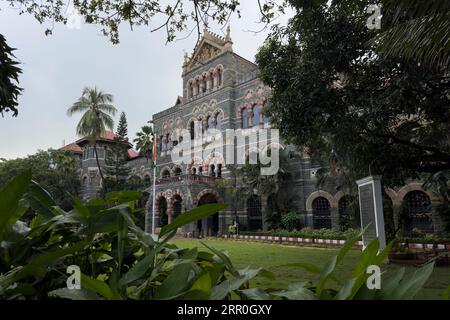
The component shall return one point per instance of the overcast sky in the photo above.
(142, 73)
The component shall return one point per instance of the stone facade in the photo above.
(221, 90)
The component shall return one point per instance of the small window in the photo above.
(166, 174)
(219, 170)
(218, 121)
(192, 129)
(177, 172)
(244, 115)
(255, 119)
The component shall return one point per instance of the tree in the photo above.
(143, 141)
(122, 127)
(370, 113)
(54, 170)
(116, 159)
(98, 111)
(417, 30)
(176, 16)
(9, 78)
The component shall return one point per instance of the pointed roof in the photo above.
(208, 47)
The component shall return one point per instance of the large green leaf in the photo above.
(192, 216)
(175, 283)
(65, 293)
(40, 200)
(10, 196)
(99, 287)
(221, 290)
(296, 291)
(411, 284)
(48, 258)
(226, 260)
(139, 269)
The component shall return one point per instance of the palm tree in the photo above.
(144, 141)
(97, 118)
(417, 30)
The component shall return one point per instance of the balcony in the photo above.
(189, 179)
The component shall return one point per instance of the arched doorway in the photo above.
(177, 206)
(417, 220)
(162, 211)
(254, 213)
(211, 226)
(321, 213)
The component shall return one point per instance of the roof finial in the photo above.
(228, 36)
(228, 42)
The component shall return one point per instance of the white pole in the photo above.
(154, 199)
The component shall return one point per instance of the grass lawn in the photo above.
(274, 258)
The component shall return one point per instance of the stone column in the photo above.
(170, 210)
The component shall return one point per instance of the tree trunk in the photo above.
(99, 169)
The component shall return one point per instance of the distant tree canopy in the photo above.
(9, 79)
(55, 170)
(353, 105)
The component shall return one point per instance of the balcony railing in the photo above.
(188, 178)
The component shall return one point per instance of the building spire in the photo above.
(228, 42)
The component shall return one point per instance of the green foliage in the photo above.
(371, 113)
(122, 127)
(307, 233)
(9, 78)
(177, 16)
(417, 30)
(97, 111)
(120, 261)
(289, 220)
(54, 170)
(143, 141)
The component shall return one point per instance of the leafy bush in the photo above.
(289, 220)
(308, 233)
(117, 259)
(120, 261)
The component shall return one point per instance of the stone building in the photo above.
(221, 91)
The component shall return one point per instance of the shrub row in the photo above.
(306, 233)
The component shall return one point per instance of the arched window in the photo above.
(255, 118)
(166, 174)
(417, 220)
(200, 170)
(219, 77)
(219, 170)
(177, 205)
(218, 121)
(254, 213)
(211, 171)
(194, 170)
(192, 129)
(162, 210)
(244, 115)
(85, 181)
(210, 122)
(177, 172)
(321, 213)
(190, 90)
